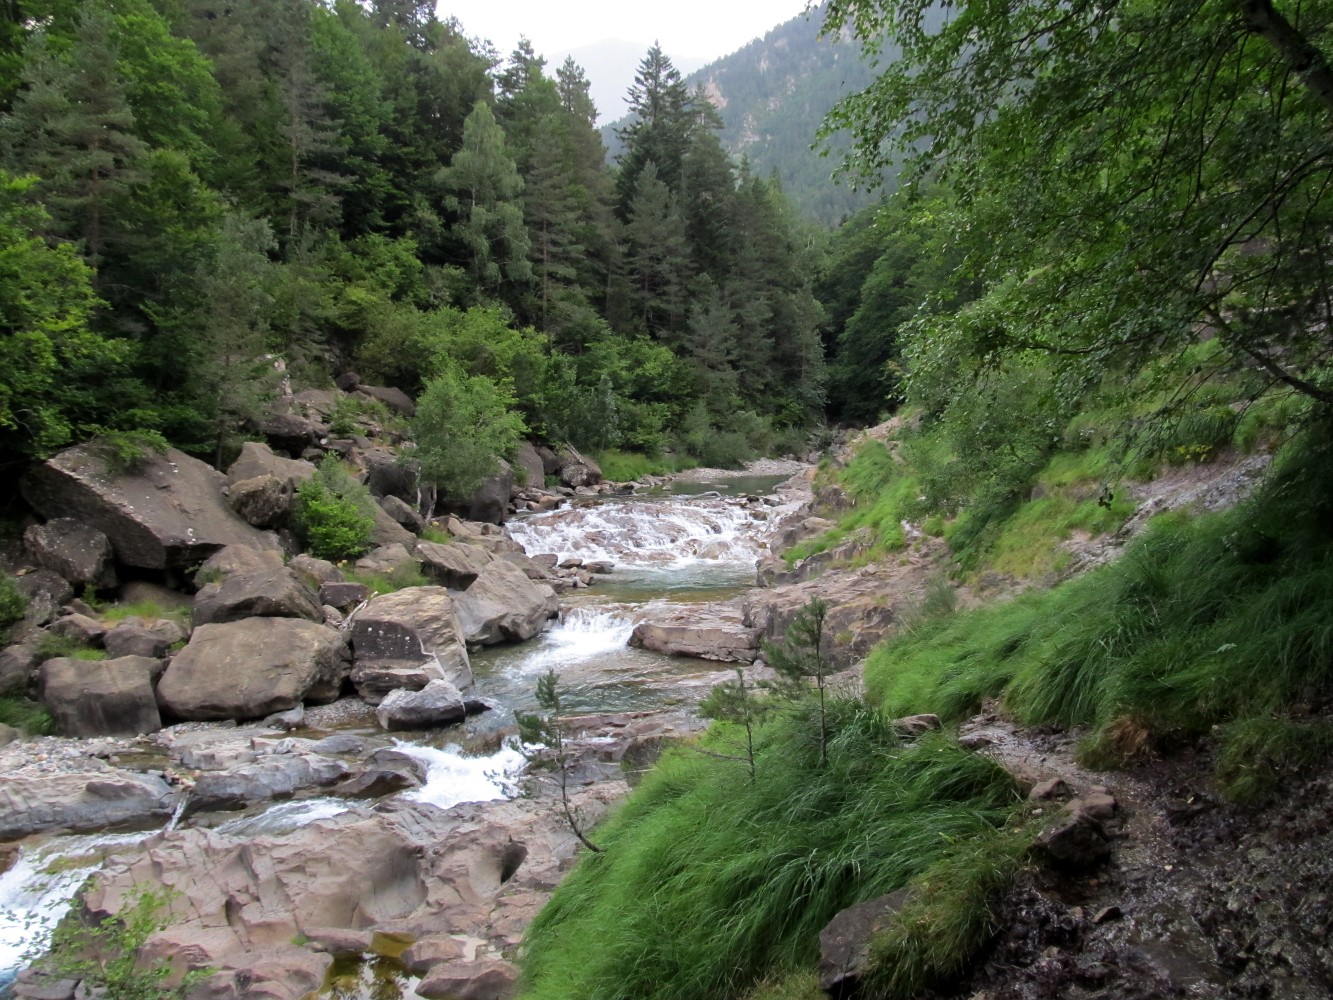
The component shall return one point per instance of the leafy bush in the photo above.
(464, 424)
(126, 450)
(334, 513)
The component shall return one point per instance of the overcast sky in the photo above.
(688, 29)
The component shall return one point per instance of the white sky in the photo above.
(695, 29)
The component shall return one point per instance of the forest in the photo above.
(201, 199)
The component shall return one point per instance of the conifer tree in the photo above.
(481, 186)
(658, 256)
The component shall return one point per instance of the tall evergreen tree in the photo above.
(658, 257)
(659, 130)
(482, 185)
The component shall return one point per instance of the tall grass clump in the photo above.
(1203, 621)
(711, 884)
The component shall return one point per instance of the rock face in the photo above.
(707, 636)
(253, 668)
(79, 553)
(101, 697)
(167, 512)
(529, 469)
(503, 605)
(413, 625)
(81, 802)
(274, 593)
(437, 704)
(477, 870)
(490, 504)
(844, 944)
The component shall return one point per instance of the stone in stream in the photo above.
(503, 605)
(437, 704)
(705, 634)
(415, 625)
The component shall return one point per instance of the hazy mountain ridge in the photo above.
(773, 95)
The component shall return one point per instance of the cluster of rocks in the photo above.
(257, 628)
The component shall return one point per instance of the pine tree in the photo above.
(481, 186)
(658, 258)
(661, 119)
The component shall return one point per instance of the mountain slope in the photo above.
(772, 95)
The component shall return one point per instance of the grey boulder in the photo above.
(76, 551)
(253, 668)
(100, 697)
(503, 605)
(437, 704)
(165, 512)
(275, 593)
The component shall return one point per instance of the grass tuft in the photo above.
(26, 716)
(711, 885)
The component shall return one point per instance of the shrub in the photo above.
(463, 426)
(12, 604)
(334, 513)
(126, 450)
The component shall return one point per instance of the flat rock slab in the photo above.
(166, 512)
(253, 668)
(705, 636)
(81, 802)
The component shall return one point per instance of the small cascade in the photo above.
(452, 778)
(178, 812)
(583, 634)
(664, 533)
(37, 891)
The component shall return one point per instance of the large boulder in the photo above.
(529, 470)
(45, 593)
(456, 565)
(100, 697)
(18, 666)
(84, 801)
(79, 553)
(166, 512)
(576, 469)
(490, 503)
(264, 501)
(437, 704)
(386, 476)
(394, 399)
(413, 625)
(133, 638)
(387, 531)
(258, 460)
(503, 605)
(253, 668)
(274, 593)
(375, 680)
(403, 514)
(236, 560)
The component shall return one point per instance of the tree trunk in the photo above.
(1299, 53)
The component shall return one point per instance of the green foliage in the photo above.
(399, 578)
(12, 604)
(52, 362)
(464, 424)
(710, 884)
(125, 451)
(800, 657)
(105, 955)
(334, 512)
(149, 611)
(950, 917)
(1200, 623)
(26, 716)
(52, 646)
(1257, 754)
(628, 467)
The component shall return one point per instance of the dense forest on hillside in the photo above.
(195, 190)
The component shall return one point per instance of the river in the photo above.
(696, 542)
